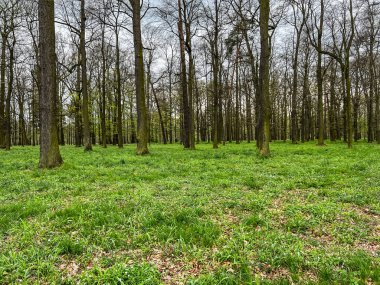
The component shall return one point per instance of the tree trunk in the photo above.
(49, 148)
(162, 124)
(103, 93)
(237, 97)
(321, 127)
(118, 91)
(377, 113)
(2, 88)
(305, 132)
(294, 115)
(142, 123)
(264, 124)
(190, 83)
(77, 106)
(185, 97)
(85, 113)
(348, 103)
(7, 117)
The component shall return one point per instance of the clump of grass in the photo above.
(142, 274)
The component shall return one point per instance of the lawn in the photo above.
(306, 215)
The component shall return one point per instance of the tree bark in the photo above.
(237, 97)
(118, 91)
(7, 117)
(184, 83)
(321, 127)
(162, 124)
(4, 37)
(85, 113)
(264, 124)
(142, 123)
(103, 92)
(49, 148)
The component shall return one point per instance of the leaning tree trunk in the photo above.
(49, 148)
(162, 124)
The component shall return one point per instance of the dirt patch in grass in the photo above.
(368, 214)
(370, 244)
(70, 268)
(174, 270)
(373, 248)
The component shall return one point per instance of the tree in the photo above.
(213, 26)
(372, 27)
(142, 122)
(49, 148)
(341, 53)
(184, 81)
(297, 7)
(9, 11)
(85, 112)
(321, 126)
(264, 118)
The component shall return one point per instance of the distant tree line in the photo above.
(115, 72)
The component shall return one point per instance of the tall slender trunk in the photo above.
(142, 118)
(77, 104)
(184, 83)
(294, 115)
(356, 105)
(348, 103)
(332, 112)
(49, 148)
(320, 102)
(170, 108)
(344, 113)
(321, 127)
(7, 117)
(162, 124)
(370, 133)
(4, 37)
(264, 125)
(215, 68)
(118, 91)
(103, 92)
(248, 112)
(85, 112)
(305, 97)
(377, 112)
(190, 83)
(237, 97)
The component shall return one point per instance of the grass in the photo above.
(306, 215)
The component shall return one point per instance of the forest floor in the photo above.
(306, 215)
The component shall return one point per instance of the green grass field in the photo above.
(306, 215)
